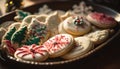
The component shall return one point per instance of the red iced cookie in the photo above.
(101, 20)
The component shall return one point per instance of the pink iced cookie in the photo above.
(59, 45)
(101, 20)
(31, 53)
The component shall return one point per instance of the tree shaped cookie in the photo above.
(19, 36)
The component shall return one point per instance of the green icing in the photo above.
(10, 33)
(22, 14)
(33, 40)
(19, 36)
(43, 28)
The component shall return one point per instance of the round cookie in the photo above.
(76, 25)
(61, 29)
(38, 32)
(101, 20)
(82, 46)
(31, 53)
(59, 45)
(98, 36)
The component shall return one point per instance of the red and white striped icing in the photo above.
(9, 46)
(57, 43)
(31, 50)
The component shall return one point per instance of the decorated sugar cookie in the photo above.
(9, 47)
(101, 20)
(82, 46)
(38, 32)
(59, 45)
(76, 25)
(21, 15)
(82, 8)
(62, 31)
(98, 36)
(6, 42)
(9, 34)
(19, 37)
(53, 21)
(31, 53)
(44, 10)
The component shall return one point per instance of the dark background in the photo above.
(105, 58)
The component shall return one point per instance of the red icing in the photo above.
(102, 17)
(56, 43)
(9, 47)
(33, 49)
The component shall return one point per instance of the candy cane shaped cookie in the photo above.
(31, 53)
(59, 45)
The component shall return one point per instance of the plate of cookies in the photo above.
(45, 34)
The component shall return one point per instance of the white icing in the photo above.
(62, 43)
(82, 46)
(71, 28)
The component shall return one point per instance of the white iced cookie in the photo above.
(27, 20)
(98, 36)
(39, 31)
(61, 30)
(76, 25)
(52, 21)
(82, 46)
(59, 45)
(41, 17)
(31, 53)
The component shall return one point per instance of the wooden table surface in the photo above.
(106, 58)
